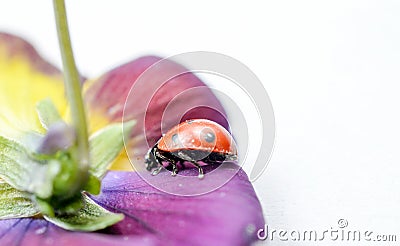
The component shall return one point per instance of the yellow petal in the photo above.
(122, 162)
(25, 79)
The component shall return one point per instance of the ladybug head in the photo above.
(150, 161)
(150, 165)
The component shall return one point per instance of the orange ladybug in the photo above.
(192, 141)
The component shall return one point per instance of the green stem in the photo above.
(73, 87)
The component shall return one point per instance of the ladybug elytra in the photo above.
(192, 141)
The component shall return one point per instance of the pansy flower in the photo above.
(128, 210)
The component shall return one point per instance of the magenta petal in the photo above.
(230, 215)
(110, 92)
(176, 95)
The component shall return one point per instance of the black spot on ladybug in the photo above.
(209, 137)
(175, 139)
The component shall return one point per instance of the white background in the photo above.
(331, 69)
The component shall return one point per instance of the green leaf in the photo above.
(15, 203)
(47, 112)
(91, 217)
(106, 144)
(22, 172)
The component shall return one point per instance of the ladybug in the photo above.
(192, 141)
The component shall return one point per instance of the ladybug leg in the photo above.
(159, 161)
(161, 158)
(201, 173)
(154, 160)
(174, 169)
(157, 171)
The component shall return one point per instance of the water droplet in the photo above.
(114, 109)
(40, 230)
(250, 229)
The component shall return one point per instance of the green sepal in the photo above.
(19, 169)
(91, 217)
(93, 185)
(44, 207)
(15, 203)
(106, 144)
(68, 176)
(59, 205)
(48, 113)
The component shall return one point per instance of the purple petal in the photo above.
(38, 232)
(230, 215)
